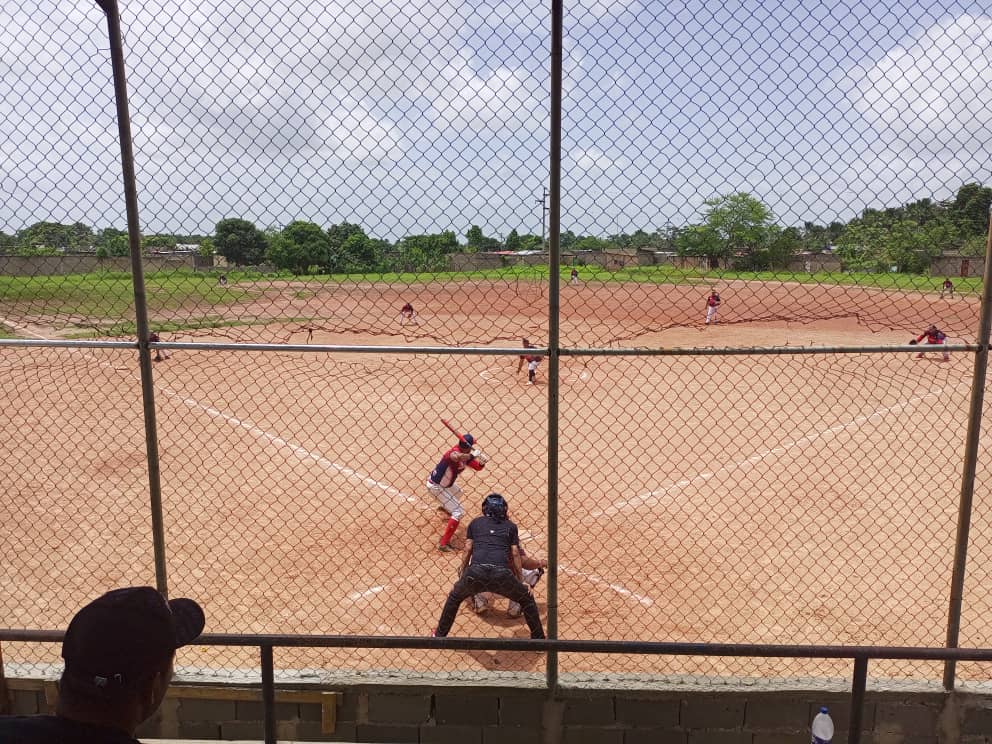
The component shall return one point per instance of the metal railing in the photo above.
(860, 655)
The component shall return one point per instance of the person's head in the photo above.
(525, 342)
(494, 506)
(118, 653)
(932, 327)
(466, 442)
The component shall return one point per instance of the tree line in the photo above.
(736, 230)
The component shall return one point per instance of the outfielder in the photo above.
(441, 483)
(933, 335)
(491, 563)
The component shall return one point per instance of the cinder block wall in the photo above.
(507, 715)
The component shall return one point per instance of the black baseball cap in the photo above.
(128, 634)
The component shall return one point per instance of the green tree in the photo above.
(207, 248)
(567, 240)
(700, 240)
(300, 247)
(862, 247)
(426, 252)
(477, 241)
(240, 242)
(512, 241)
(47, 235)
(111, 242)
(337, 236)
(970, 209)
(590, 243)
(362, 254)
(152, 243)
(780, 246)
(743, 224)
(530, 243)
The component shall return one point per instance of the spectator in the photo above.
(118, 651)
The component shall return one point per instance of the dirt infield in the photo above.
(748, 498)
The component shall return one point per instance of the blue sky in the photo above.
(420, 117)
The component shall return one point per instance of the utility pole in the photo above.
(543, 201)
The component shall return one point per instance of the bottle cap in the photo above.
(823, 709)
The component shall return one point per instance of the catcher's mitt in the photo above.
(912, 342)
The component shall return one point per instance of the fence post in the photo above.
(554, 330)
(970, 462)
(112, 12)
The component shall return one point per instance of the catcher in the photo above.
(935, 336)
(491, 563)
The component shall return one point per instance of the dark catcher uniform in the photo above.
(490, 571)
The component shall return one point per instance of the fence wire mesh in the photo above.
(306, 172)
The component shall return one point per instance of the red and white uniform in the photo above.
(441, 481)
(936, 336)
(407, 313)
(712, 303)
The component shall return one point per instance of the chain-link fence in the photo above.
(348, 233)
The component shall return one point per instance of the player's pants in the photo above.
(530, 576)
(710, 314)
(450, 498)
(945, 352)
(500, 580)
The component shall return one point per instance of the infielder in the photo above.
(712, 303)
(441, 484)
(532, 360)
(933, 335)
(160, 354)
(408, 315)
(491, 563)
(947, 288)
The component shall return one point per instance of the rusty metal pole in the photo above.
(970, 462)
(112, 12)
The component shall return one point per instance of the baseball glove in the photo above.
(912, 342)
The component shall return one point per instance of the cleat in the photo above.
(514, 610)
(479, 604)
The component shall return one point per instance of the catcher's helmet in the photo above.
(495, 506)
(466, 442)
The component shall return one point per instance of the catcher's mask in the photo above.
(495, 506)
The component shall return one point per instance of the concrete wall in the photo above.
(59, 265)
(497, 715)
(813, 262)
(953, 266)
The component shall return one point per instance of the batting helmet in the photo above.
(466, 442)
(495, 506)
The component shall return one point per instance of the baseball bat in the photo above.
(460, 435)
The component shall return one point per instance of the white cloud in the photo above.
(932, 94)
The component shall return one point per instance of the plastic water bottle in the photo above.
(823, 727)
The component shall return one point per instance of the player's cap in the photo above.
(125, 636)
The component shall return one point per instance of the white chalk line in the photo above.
(300, 451)
(600, 581)
(591, 578)
(651, 498)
